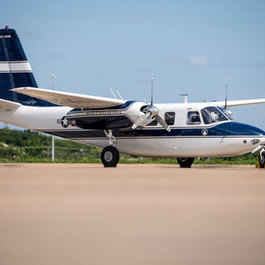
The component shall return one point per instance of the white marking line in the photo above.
(15, 67)
(5, 36)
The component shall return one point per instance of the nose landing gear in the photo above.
(262, 157)
(185, 162)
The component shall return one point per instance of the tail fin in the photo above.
(15, 70)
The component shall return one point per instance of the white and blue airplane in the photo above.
(182, 130)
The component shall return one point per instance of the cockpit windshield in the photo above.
(227, 112)
(212, 115)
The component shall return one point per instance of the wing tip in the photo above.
(20, 88)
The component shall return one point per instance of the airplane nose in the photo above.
(257, 134)
(262, 140)
(251, 130)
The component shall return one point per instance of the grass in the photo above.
(124, 159)
(33, 147)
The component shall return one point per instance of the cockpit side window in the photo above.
(193, 118)
(170, 118)
(212, 115)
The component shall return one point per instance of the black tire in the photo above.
(185, 162)
(262, 159)
(110, 156)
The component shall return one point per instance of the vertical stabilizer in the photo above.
(15, 70)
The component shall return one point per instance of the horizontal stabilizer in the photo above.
(234, 103)
(6, 104)
(72, 100)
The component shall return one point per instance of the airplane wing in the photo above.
(234, 103)
(6, 104)
(72, 100)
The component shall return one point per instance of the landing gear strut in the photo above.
(185, 162)
(112, 139)
(262, 158)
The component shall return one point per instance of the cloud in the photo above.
(202, 60)
(198, 60)
(172, 59)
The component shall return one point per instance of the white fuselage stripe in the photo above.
(15, 67)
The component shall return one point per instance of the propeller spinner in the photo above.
(150, 113)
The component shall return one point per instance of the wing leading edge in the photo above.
(72, 100)
(79, 101)
(235, 103)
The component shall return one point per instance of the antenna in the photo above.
(185, 97)
(152, 84)
(119, 94)
(53, 81)
(112, 93)
(226, 84)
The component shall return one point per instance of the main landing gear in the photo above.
(110, 155)
(185, 162)
(262, 158)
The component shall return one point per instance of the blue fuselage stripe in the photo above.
(228, 129)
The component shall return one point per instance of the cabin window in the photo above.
(212, 115)
(193, 118)
(170, 118)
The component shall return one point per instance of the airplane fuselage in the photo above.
(191, 135)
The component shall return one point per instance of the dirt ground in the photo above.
(79, 214)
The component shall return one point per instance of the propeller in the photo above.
(150, 113)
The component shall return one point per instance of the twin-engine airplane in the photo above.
(182, 130)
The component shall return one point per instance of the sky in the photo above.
(189, 46)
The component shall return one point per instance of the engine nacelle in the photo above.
(117, 117)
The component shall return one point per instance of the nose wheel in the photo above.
(185, 162)
(110, 156)
(262, 158)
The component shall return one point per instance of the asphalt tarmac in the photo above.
(79, 214)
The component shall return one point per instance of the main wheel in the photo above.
(262, 159)
(110, 156)
(185, 162)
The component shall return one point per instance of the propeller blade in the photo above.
(162, 122)
(143, 120)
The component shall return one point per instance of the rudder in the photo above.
(15, 70)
